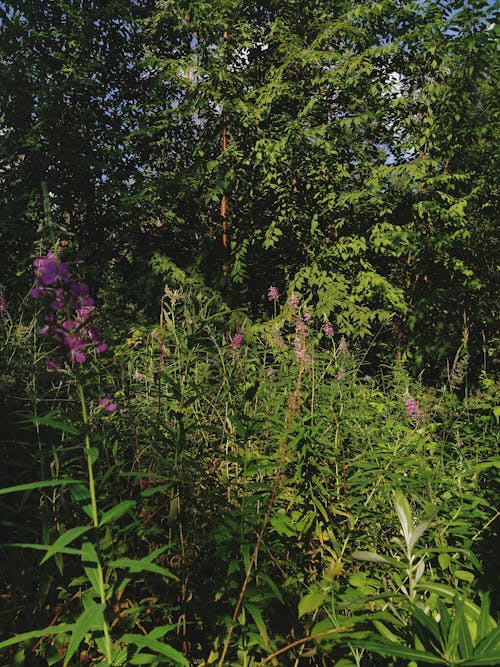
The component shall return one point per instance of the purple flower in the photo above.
(294, 301)
(270, 373)
(53, 364)
(328, 329)
(415, 413)
(58, 302)
(367, 378)
(48, 270)
(76, 333)
(137, 375)
(75, 346)
(80, 298)
(273, 294)
(237, 341)
(106, 404)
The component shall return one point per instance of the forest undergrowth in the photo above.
(211, 490)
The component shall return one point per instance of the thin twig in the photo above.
(298, 642)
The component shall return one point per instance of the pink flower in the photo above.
(294, 301)
(3, 306)
(106, 404)
(328, 329)
(415, 413)
(237, 341)
(273, 294)
(137, 375)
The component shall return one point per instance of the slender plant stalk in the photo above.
(95, 517)
(292, 410)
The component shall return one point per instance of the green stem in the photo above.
(95, 518)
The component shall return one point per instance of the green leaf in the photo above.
(43, 547)
(37, 485)
(385, 632)
(90, 562)
(483, 622)
(63, 540)
(490, 644)
(117, 511)
(387, 648)
(311, 602)
(143, 565)
(370, 557)
(81, 495)
(444, 561)
(52, 420)
(35, 634)
(147, 642)
(404, 514)
(272, 586)
(256, 614)
(90, 617)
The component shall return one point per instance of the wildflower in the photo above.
(3, 306)
(273, 294)
(367, 378)
(300, 327)
(53, 364)
(270, 373)
(237, 341)
(75, 346)
(415, 413)
(137, 375)
(278, 340)
(299, 347)
(77, 334)
(80, 296)
(294, 301)
(58, 302)
(48, 270)
(328, 329)
(342, 344)
(106, 404)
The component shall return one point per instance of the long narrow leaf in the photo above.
(37, 485)
(91, 616)
(143, 565)
(154, 645)
(386, 648)
(117, 511)
(90, 564)
(35, 634)
(42, 547)
(63, 540)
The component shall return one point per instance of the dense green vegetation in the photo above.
(247, 333)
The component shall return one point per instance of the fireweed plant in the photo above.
(69, 327)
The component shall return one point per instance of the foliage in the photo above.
(342, 147)
(225, 487)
